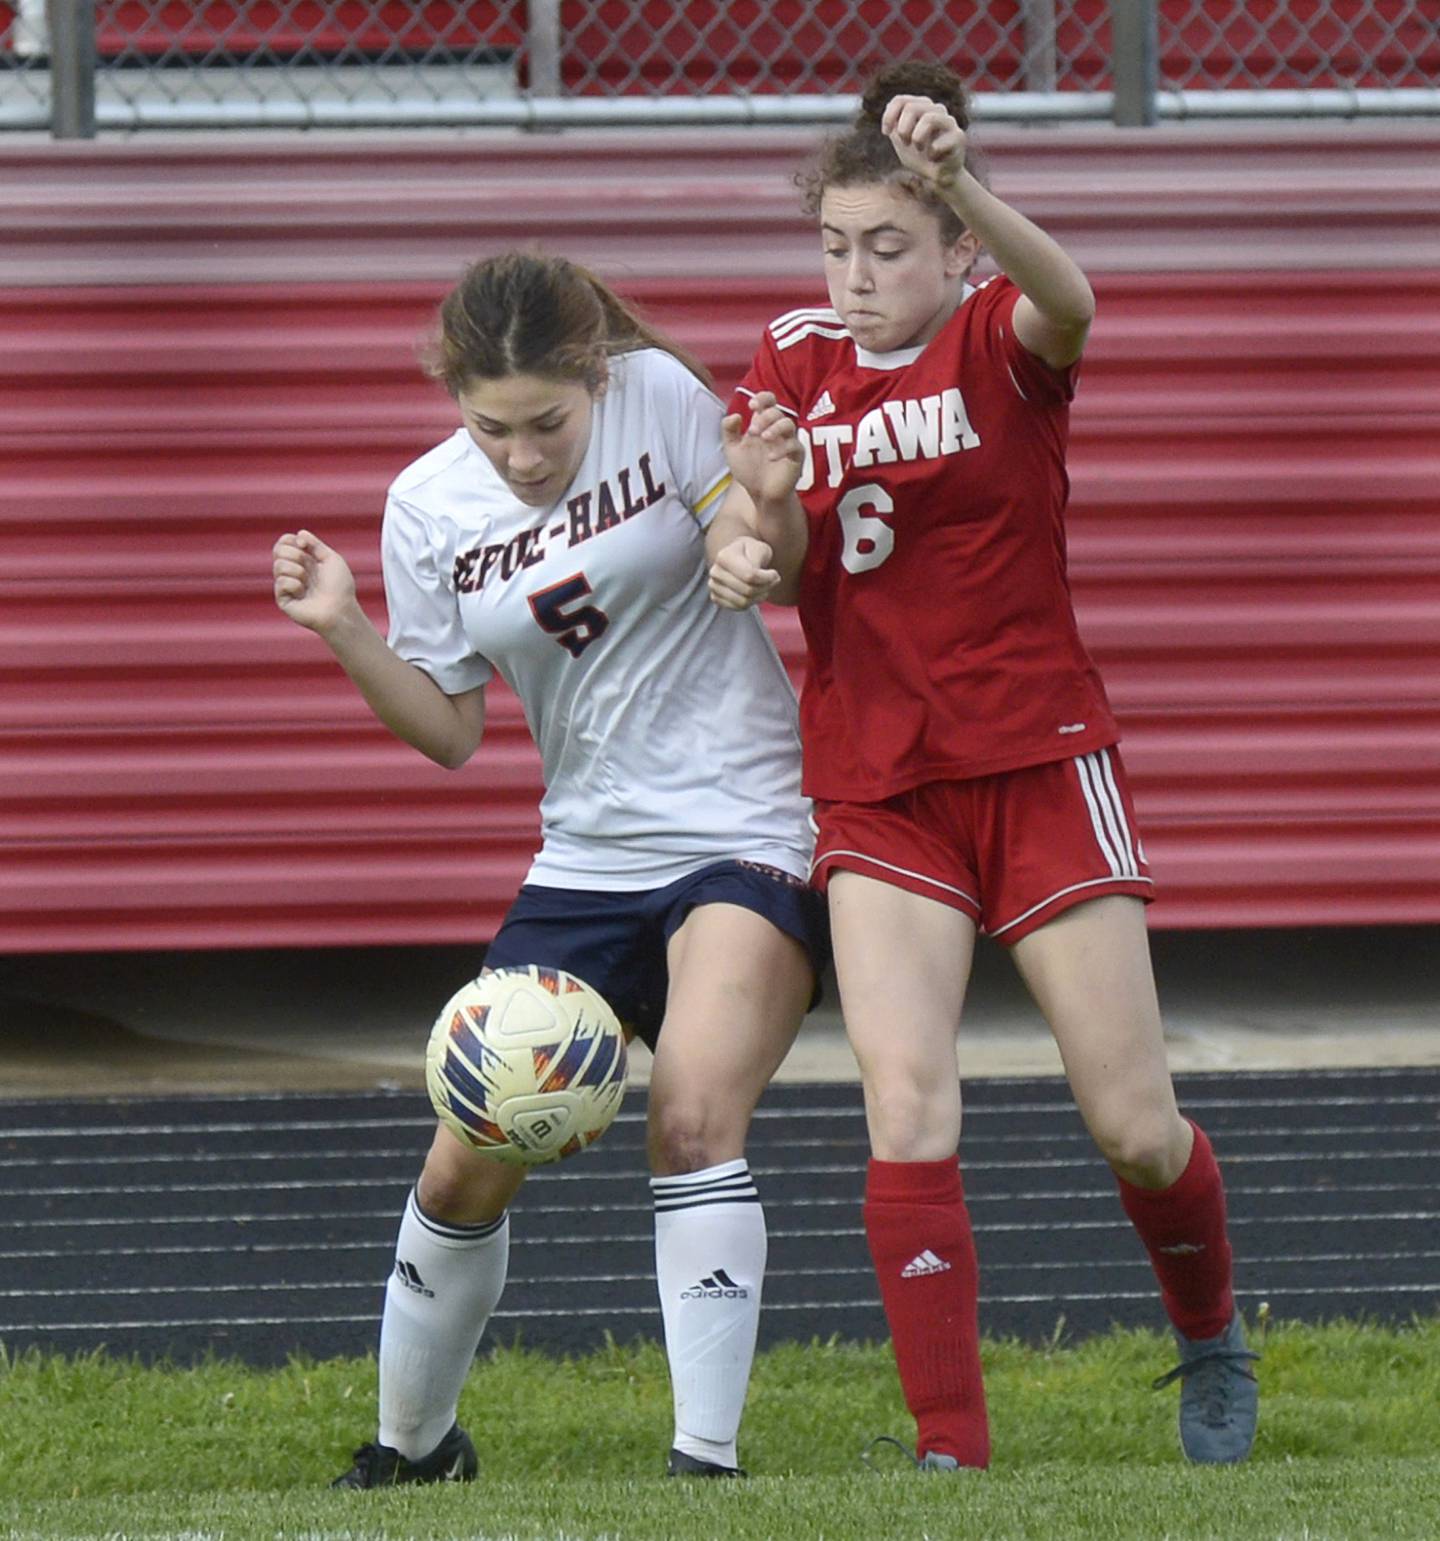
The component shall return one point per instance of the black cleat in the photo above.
(682, 1465)
(452, 1460)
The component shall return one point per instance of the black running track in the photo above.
(260, 1226)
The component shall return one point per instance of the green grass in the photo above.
(1349, 1447)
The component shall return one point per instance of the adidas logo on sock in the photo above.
(1183, 1249)
(409, 1275)
(718, 1286)
(925, 1262)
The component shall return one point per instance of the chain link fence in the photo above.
(74, 65)
(1319, 45)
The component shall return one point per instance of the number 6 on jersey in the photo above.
(868, 539)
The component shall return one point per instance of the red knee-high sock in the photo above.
(919, 1234)
(1183, 1228)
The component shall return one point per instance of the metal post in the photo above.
(1039, 20)
(72, 69)
(1133, 61)
(543, 44)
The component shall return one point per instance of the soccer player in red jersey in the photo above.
(900, 459)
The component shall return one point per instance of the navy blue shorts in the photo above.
(616, 941)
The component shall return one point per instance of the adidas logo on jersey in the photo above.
(925, 1262)
(823, 407)
(716, 1286)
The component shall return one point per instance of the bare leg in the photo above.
(1089, 971)
(738, 989)
(903, 963)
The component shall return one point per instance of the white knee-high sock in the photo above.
(710, 1250)
(446, 1281)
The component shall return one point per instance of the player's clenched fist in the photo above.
(765, 455)
(927, 139)
(741, 575)
(313, 584)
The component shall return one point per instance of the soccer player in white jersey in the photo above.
(560, 539)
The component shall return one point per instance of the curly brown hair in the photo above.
(863, 155)
(528, 313)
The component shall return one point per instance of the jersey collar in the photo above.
(900, 357)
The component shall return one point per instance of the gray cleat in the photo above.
(932, 1460)
(1219, 1396)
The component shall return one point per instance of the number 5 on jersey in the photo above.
(573, 629)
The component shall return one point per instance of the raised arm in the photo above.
(1056, 304)
(315, 588)
(757, 542)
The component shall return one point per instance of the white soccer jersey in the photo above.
(666, 725)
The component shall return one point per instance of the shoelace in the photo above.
(886, 1439)
(1233, 1359)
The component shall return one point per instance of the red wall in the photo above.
(1255, 524)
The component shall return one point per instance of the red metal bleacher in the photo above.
(1255, 538)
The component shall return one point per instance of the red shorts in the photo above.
(1011, 850)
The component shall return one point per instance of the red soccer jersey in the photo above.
(934, 597)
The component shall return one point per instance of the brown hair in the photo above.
(527, 313)
(863, 155)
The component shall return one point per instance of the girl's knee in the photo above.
(465, 1188)
(912, 1119)
(689, 1136)
(443, 1195)
(1148, 1150)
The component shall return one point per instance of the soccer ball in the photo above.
(526, 1064)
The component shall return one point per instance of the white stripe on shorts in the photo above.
(1051, 898)
(1107, 813)
(920, 877)
(1132, 840)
